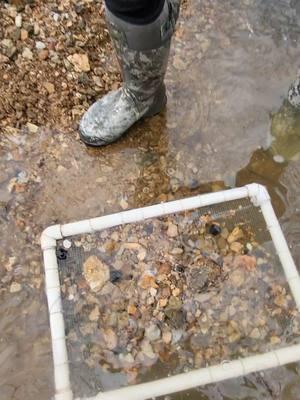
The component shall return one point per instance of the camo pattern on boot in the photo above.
(143, 93)
(294, 94)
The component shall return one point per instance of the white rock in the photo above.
(27, 53)
(15, 287)
(172, 230)
(40, 45)
(18, 21)
(152, 332)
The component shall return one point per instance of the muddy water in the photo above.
(232, 63)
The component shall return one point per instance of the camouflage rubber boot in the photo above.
(294, 94)
(143, 52)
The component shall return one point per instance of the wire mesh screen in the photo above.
(168, 295)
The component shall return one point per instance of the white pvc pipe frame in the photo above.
(260, 198)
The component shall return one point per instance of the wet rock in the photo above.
(237, 278)
(237, 247)
(94, 314)
(176, 335)
(96, 273)
(172, 231)
(215, 229)
(246, 262)
(147, 282)
(115, 275)
(15, 287)
(110, 338)
(235, 235)
(167, 337)
(152, 333)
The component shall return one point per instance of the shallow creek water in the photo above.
(232, 63)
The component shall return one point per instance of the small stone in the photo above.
(255, 334)
(126, 360)
(147, 282)
(246, 262)
(153, 292)
(278, 159)
(131, 309)
(18, 21)
(80, 62)
(176, 335)
(275, 340)
(32, 128)
(237, 278)
(43, 54)
(124, 205)
(40, 45)
(27, 53)
(15, 287)
(167, 337)
(96, 273)
(215, 229)
(176, 292)
(94, 315)
(24, 35)
(147, 350)
(163, 302)
(115, 275)
(152, 333)
(236, 247)
(110, 338)
(235, 235)
(49, 87)
(172, 231)
(67, 244)
(177, 251)
(3, 59)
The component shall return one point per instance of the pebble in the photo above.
(24, 34)
(27, 53)
(278, 159)
(236, 247)
(235, 235)
(49, 87)
(32, 128)
(255, 334)
(80, 62)
(167, 337)
(110, 338)
(152, 333)
(40, 45)
(43, 54)
(96, 273)
(67, 244)
(18, 21)
(124, 204)
(94, 315)
(172, 231)
(15, 287)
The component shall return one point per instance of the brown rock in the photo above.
(246, 262)
(235, 235)
(236, 247)
(147, 282)
(80, 62)
(96, 273)
(172, 231)
(111, 339)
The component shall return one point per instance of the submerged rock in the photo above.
(96, 273)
